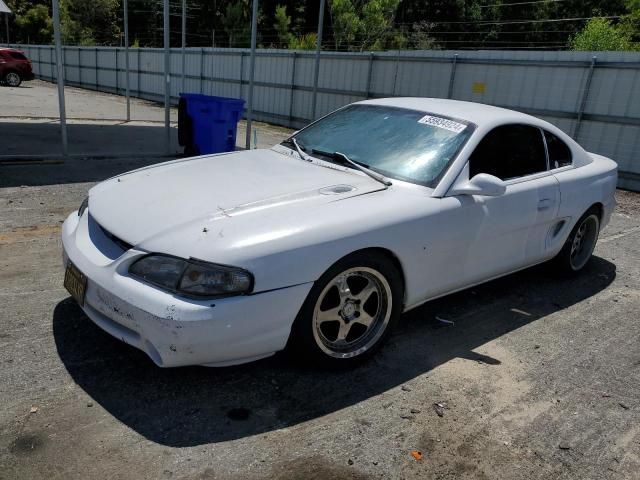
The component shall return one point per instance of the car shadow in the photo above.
(192, 406)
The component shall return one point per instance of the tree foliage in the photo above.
(308, 41)
(35, 23)
(352, 25)
(600, 34)
(282, 26)
(96, 25)
(237, 23)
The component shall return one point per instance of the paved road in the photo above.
(96, 124)
(539, 378)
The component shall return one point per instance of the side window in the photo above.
(559, 153)
(18, 56)
(509, 151)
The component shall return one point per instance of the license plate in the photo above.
(75, 282)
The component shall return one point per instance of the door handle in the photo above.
(544, 204)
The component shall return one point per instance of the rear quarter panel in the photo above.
(586, 185)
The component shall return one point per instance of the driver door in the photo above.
(509, 229)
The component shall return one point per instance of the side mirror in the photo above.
(481, 184)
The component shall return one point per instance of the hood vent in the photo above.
(337, 189)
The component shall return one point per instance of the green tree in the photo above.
(376, 23)
(346, 23)
(630, 23)
(237, 24)
(362, 26)
(419, 38)
(282, 26)
(600, 34)
(96, 25)
(35, 24)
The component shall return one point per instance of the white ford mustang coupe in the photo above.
(321, 242)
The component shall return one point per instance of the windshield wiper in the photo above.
(295, 143)
(363, 168)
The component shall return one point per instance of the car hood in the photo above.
(147, 203)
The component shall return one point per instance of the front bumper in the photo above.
(175, 331)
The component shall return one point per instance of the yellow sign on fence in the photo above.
(478, 87)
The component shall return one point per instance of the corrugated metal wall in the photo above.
(596, 100)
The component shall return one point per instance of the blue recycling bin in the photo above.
(208, 124)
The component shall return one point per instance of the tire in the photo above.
(349, 312)
(578, 248)
(13, 79)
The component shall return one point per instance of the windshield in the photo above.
(396, 142)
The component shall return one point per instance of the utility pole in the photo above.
(126, 59)
(184, 40)
(60, 76)
(316, 71)
(252, 66)
(167, 77)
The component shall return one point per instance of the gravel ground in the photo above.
(539, 377)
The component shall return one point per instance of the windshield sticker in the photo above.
(443, 123)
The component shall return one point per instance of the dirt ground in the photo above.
(538, 378)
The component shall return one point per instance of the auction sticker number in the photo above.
(445, 123)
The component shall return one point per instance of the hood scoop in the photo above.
(337, 189)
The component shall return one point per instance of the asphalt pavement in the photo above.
(535, 377)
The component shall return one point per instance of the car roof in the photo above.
(7, 49)
(478, 113)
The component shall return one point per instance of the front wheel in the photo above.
(349, 311)
(12, 79)
(578, 248)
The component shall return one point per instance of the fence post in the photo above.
(453, 75)
(395, 76)
(95, 52)
(585, 96)
(369, 75)
(211, 71)
(241, 69)
(201, 70)
(293, 84)
(117, 72)
(138, 71)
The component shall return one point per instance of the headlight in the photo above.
(83, 206)
(192, 277)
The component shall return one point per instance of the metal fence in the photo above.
(595, 97)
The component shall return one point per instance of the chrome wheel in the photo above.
(12, 79)
(584, 241)
(352, 312)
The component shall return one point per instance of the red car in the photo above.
(14, 67)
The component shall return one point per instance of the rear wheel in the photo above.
(578, 249)
(349, 312)
(13, 79)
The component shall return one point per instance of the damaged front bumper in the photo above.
(174, 331)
